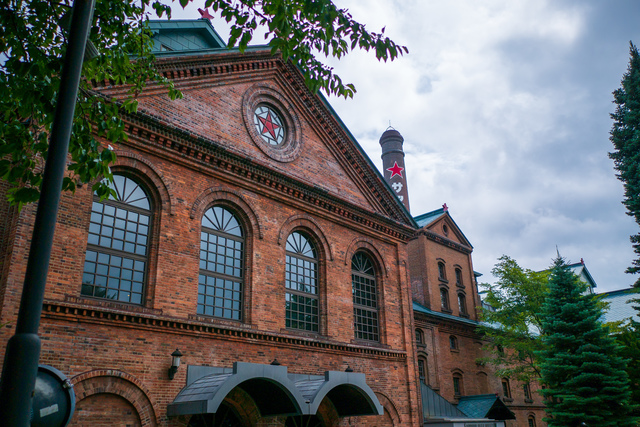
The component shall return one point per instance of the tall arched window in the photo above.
(220, 283)
(365, 297)
(444, 299)
(442, 273)
(462, 304)
(506, 390)
(458, 386)
(301, 282)
(117, 255)
(422, 370)
(531, 421)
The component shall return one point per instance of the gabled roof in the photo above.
(200, 51)
(485, 406)
(580, 270)
(620, 305)
(424, 310)
(426, 220)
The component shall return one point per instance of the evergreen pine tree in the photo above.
(625, 136)
(585, 379)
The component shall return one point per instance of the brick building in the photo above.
(251, 233)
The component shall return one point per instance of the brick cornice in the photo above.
(152, 320)
(204, 151)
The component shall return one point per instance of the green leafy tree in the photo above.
(33, 39)
(625, 136)
(584, 374)
(514, 324)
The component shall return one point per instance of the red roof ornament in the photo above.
(204, 14)
(445, 208)
(395, 170)
(581, 261)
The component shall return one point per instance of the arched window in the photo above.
(444, 299)
(422, 370)
(462, 304)
(365, 297)
(458, 389)
(220, 283)
(532, 421)
(506, 390)
(117, 255)
(419, 337)
(459, 281)
(442, 273)
(453, 342)
(301, 282)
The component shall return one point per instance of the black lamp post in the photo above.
(175, 363)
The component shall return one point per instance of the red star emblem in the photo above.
(268, 125)
(204, 14)
(395, 170)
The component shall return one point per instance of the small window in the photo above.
(453, 342)
(419, 336)
(459, 277)
(422, 370)
(457, 385)
(444, 299)
(462, 304)
(442, 274)
(532, 421)
(527, 391)
(506, 391)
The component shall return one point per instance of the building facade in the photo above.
(248, 231)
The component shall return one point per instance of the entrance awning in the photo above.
(275, 391)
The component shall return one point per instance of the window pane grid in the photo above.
(301, 277)
(366, 324)
(219, 297)
(302, 312)
(113, 277)
(118, 228)
(364, 291)
(220, 284)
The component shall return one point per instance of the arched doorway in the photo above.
(304, 421)
(226, 416)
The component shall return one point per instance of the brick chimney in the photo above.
(393, 164)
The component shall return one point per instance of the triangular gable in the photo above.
(485, 406)
(440, 222)
(184, 35)
(341, 169)
(580, 270)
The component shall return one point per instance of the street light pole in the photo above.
(23, 349)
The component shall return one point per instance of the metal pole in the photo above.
(23, 349)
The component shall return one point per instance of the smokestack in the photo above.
(393, 164)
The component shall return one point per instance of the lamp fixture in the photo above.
(175, 363)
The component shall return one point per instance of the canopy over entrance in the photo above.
(275, 391)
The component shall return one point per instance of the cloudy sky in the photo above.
(504, 107)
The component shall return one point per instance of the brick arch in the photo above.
(206, 198)
(305, 221)
(139, 163)
(364, 243)
(390, 408)
(130, 388)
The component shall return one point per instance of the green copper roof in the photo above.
(485, 406)
(429, 217)
(184, 35)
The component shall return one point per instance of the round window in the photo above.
(269, 125)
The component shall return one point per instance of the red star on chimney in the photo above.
(395, 170)
(445, 208)
(204, 14)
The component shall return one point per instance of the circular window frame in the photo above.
(261, 94)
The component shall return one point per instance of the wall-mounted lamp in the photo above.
(175, 362)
